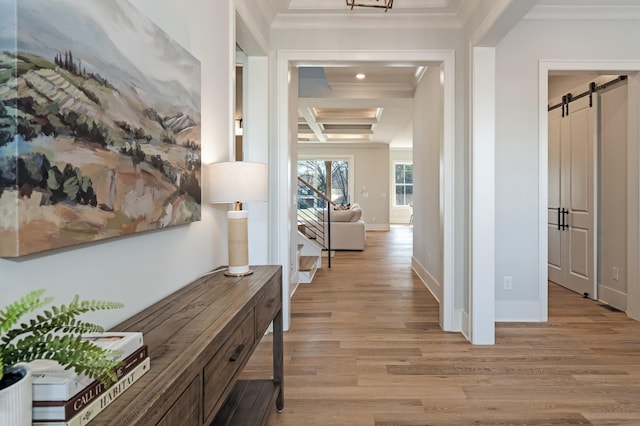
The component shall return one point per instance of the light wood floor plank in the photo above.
(365, 349)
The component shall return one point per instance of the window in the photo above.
(404, 184)
(315, 172)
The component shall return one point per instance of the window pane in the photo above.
(408, 173)
(315, 173)
(340, 182)
(399, 173)
(400, 197)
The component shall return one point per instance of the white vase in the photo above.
(16, 400)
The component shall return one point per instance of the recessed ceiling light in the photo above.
(360, 76)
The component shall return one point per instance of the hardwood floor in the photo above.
(365, 349)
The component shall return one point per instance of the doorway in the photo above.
(630, 68)
(573, 155)
(587, 185)
(283, 146)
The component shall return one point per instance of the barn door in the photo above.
(572, 200)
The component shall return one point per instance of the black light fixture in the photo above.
(381, 4)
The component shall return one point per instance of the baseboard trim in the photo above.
(517, 311)
(465, 326)
(377, 227)
(612, 297)
(427, 279)
(293, 281)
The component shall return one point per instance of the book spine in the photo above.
(78, 402)
(94, 408)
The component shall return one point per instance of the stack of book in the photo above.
(63, 398)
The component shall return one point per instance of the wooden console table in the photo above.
(199, 339)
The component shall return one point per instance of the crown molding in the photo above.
(302, 21)
(584, 12)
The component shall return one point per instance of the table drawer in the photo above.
(226, 362)
(186, 410)
(269, 303)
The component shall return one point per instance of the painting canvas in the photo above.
(99, 125)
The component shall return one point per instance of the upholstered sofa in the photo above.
(347, 228)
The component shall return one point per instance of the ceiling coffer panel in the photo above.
(353, 129)
(323, 114)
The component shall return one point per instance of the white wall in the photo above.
(140, 269)
(398, 214)
(427, 195)
(517, 150)
(256, 148)
(371, 167)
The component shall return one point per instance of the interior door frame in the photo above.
(450, 318)
(544, 67)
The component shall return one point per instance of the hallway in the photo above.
(365, 349)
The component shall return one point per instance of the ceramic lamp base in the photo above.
(238, 244)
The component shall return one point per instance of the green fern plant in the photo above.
(55, 334)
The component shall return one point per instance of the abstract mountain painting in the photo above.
(99, 125)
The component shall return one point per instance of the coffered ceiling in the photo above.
(337, 108)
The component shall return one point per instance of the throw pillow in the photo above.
(357, 214)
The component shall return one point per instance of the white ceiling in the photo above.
(333, 103)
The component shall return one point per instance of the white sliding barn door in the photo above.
(572, 147)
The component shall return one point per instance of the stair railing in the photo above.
(313, 212)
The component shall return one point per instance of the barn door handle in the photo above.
(565, 224)
(559, 218)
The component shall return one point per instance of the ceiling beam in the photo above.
(309, 116)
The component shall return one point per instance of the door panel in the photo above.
(554, 248)
(572, 144)
(554, 160)
(579, 160)
(554, 252)
(578, 259)
(581, 276)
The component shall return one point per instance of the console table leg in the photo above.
(278, 358)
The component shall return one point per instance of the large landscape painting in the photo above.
(99, 125)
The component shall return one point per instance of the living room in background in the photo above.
(99, 125)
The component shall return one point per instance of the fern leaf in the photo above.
(54, 334)
(11, 314)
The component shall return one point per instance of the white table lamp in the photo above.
(238, 182)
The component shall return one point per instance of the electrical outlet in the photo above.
(373, 219)
(615, 273)
(508, 283)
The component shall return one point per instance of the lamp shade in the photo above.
(238, 181)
